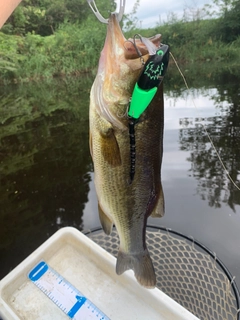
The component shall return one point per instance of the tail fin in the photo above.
(141, 264)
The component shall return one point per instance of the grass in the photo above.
(75, 49)
(71, 50)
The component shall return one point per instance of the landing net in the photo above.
(186, 271)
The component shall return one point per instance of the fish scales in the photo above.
(126, 204)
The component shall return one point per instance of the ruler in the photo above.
(71, 301)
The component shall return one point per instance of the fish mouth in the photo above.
(144, 46)
(132, 48)
(118, 70)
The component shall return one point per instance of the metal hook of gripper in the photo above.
(94, 8)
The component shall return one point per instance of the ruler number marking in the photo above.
(77, 306)
(41, 274)
(38, 271)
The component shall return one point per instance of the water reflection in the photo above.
(45, 164)
(224, 131)
(46, 169)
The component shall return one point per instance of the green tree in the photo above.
(227, 26)
(130, 20)
(44, 17)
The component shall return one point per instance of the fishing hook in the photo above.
(94, 8)
(136, 47)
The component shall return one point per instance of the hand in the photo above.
(6, 8)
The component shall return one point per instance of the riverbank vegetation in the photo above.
(45, 39)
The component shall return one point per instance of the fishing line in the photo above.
(204, 127)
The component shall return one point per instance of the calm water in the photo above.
(46, 176)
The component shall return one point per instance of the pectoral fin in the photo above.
(110, 149)
(105, 221)
(159, 208)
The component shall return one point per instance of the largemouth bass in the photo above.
(126, 204)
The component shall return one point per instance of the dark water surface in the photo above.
(46, 176)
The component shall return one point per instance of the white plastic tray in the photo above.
(92, 271)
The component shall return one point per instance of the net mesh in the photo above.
(184, 272)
